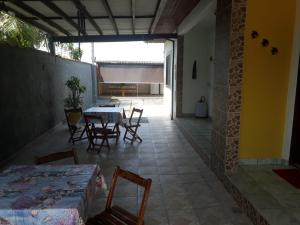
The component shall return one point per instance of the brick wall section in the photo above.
(179, 75)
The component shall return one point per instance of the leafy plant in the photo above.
(75, 53)
(17, 33)
(74, 98)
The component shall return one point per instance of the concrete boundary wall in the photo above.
(31, 94)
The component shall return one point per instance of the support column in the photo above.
(51, 45)
(179, 75)
(230, 25)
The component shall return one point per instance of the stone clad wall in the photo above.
(229, 53)
(32, 92)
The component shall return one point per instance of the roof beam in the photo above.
(22, 17)
(158, 11)
(110, 15)
(79, 6)
(93, 17)
(112, 38)
(39, 15)
(58, 11)
(133, 15)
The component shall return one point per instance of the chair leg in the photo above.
(101, 145)
(125, 135)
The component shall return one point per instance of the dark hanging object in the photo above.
(265, 42)
(274, 51)
(194, 74)
(254, 34)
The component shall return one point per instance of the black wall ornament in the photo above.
(274, 51)
(254, 34)
(265, 42)
(194, 73)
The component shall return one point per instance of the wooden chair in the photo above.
(73, 116)
(57, 156)
(131, 127)
(117, 215)
(115, 127)
(96, 133)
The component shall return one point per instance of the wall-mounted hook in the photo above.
(254, 34)
(274, 51)
(265, 42)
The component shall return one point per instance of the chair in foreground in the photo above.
(117, 215)
(73, 116)
(132, 126)
(57, 156)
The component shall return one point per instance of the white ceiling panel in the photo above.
(120, 7)
(123, 23)
(145, 7)
(94, 7)
(67, 6)
(18, 9)
(142, 23)
(41, 8)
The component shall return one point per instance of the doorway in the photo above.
(295, 143)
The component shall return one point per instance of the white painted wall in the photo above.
(199, 46)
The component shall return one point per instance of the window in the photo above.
(168, 70)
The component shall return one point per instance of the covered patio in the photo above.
(184, 190)
(214, 170)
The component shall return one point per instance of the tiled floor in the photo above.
(276, 200)
(184, 190)
(198, 133)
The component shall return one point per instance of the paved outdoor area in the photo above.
(184, 190)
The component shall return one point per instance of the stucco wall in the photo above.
(32, 92)
(199, 46)
(266, 76)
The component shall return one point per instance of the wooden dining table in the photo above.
(47, 194)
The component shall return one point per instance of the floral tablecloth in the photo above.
(47, 194)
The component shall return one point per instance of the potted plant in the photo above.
(74, 98)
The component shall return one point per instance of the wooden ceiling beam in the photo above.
(58, 11)
(32, 11)
(22, 17)
(133, 16)
(110, 15)
(79, 6)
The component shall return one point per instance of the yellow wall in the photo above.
(265, 81)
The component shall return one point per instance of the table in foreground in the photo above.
(47, 194)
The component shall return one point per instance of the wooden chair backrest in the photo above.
(132, 177)
(90, 120)
(68, 112)
(107, 105)
(57, 156)
(136, 111)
